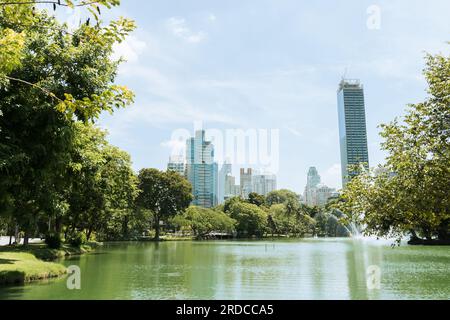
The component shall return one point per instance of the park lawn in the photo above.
(22, 267)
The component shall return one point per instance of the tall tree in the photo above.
(165, 194)
(50, 78)
(102, 182)
(410, 193)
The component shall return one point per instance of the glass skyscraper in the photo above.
(352, 127)
(202, 171)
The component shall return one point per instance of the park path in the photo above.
(4, 241)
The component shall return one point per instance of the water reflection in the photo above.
(306, 269)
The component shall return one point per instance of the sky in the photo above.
(270, 65)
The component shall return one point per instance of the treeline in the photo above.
(280, 214)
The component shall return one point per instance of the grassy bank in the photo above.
(41, 251)
(23, 264)
(22, 267)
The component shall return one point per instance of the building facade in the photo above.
(225, 172)
(316, 193)
(202, 171)
(264, 184)
(352, 127)
(246, 180)
(177, 164)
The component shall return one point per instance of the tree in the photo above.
(410, 193)
(202, 222)
(256, 199)
(281, 196)
(289, 222)
(102, 182)
(50, 79)
(251, 220)
(165, 194)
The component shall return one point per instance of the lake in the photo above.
(319, 269)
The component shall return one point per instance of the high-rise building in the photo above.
(202, 171)
(246, 180)
(263, 184)
(225, 171)
(231, 189)
(352, 127)
(310, 196)
(323, 195)
(313, 178)
(177, 164)
(316, 193)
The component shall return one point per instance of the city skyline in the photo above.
(228, 66)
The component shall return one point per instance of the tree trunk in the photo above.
(16, 235)
(26, 239)
(444, 234)
(10, 239)
(157, 228)
(89, 234)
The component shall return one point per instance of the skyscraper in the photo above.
(201, 170)
(313, 182)
(177, 164)
(352, 127)
(246, 182)
(316, 193)
(225, 171)
(313, 177)
(263, 184)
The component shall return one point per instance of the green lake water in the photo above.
(280, 270)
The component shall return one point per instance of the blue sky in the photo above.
(270, 65)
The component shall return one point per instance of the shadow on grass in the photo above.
(12, 277)
(7, 261)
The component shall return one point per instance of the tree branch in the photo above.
(83, 4)
(47, 92)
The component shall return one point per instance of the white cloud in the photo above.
(333, 176)
(177, 147)
(180, 29)
(130, 49)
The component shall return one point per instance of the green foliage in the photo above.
(287, 222)
(203, 222)
(101, 181)
(165, 194)
(56, 169)
(281, 196)
(410, 193)
(251, 220)
(256, 199)
(53, 241)
(76, 239)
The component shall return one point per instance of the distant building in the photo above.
(202, 171)
(264, 184)
(231, 189)
(224, 172)
(246, 180)
(324, 194)
(352, 127)
(310, 196)
(177, 164)
(316, 193)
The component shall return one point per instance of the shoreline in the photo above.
(21, 265)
